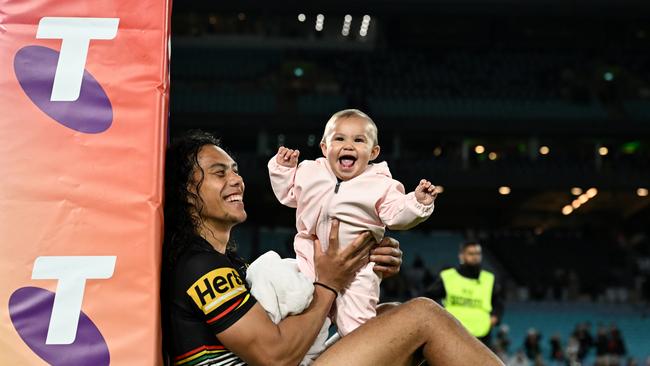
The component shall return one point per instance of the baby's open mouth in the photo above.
(347, 161)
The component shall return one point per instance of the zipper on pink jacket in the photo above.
(336, 188)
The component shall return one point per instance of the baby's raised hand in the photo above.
(425, 192)
(287, 157)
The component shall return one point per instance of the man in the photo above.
(470, 293)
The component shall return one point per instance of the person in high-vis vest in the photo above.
(470, 293)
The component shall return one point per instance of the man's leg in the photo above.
(394, 336)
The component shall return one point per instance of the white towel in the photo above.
(283, 290)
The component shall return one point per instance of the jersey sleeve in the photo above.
(216, 290)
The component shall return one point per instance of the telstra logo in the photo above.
(57, 82)
(52, 324)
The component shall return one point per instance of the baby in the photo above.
(363, 196)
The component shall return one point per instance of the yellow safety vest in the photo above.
(469, 300)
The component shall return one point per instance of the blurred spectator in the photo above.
(632, 362)
(539, 360)
(531, 344)
(615, 344)
(602, 340)
(501, 353)
(572, 348)
(557, 353)
(610, 348)
(519, 359)
(583, 334)
(503, 339)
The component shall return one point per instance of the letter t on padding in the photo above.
(76, 34)
(72, 273)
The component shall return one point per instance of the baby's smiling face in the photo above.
(350, 147)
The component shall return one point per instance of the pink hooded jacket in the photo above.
(370, 201)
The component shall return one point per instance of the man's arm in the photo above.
(257, 340)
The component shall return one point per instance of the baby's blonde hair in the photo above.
(329, 127)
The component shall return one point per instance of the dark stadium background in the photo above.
(557, 93)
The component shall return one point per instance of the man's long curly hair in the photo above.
(182, 205)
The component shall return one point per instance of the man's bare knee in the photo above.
(422, 308)
(427, 310)
(423, 304)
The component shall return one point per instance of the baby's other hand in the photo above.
(425, 192)
(287, 157)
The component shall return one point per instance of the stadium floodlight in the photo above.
(592, 192)
(302, 17)
(544, 150)
(603, 151)
(365, 24)
(347, 21)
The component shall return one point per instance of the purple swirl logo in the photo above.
(30, 309)
(35, 68)
(58, 82)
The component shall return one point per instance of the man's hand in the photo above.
(287, 157)
(336, 267)
(425, 192)
(387, 257)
